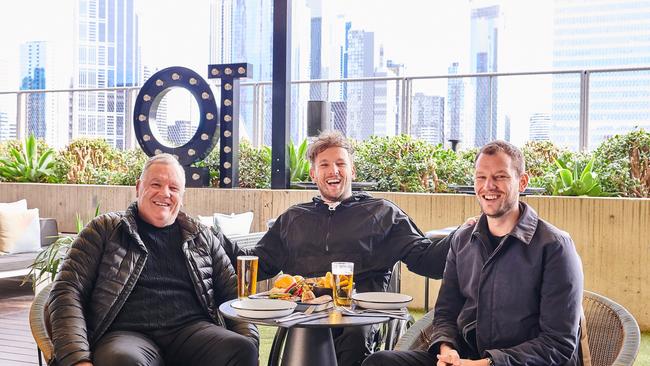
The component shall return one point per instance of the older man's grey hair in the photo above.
(167, 159)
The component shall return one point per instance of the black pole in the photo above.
(281, 97)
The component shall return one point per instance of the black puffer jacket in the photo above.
(102, 268)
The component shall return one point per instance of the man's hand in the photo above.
(481, 362)
(471, 220)
(84, 363)
(448, 356)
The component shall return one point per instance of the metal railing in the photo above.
(584, 106)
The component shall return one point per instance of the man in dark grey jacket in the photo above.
(341, 226)
(512, 289)
(142, 287)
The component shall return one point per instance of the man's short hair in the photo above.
(163, 158)
(491, 148)
(327, 139)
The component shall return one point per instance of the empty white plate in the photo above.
(381, 300)
(263, 308)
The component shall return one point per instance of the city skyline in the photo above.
(423, 38)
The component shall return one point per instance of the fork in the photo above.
(373, 312)
(297, 315)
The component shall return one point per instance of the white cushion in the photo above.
(20, 231)
(18, 205)
(206, 220)
(234, 224)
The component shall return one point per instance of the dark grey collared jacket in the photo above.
(103, 266)
(524, 300)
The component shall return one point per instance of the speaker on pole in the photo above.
(318, 117)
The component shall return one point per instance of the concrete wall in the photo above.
(612, 235)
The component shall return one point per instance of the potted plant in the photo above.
(47, 263)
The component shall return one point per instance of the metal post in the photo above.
(281, 93)
(21, 128)
(583, 134)
(403, 116)
(407, 106)
(490, 137)
(256, 115)
(426, 294)
(129, 132)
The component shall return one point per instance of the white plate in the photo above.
(381, 300)
(263, 308)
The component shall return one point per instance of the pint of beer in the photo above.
(343, 273)
(246, 275)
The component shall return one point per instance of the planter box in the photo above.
(611, 234)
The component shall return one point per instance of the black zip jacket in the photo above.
(371, 232)
(521, 304)
(102, 268)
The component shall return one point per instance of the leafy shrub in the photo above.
(454, 168)
(254, 166)
(625, 164)
(25, 163)
(47, 263)
(576, 180)
(398, 163)
(298, 162)
(134, 160)
(212, 163)
(90, 161)
(540, 163)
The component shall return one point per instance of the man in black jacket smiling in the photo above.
(142, 287)
(341, 226)
(511, 294)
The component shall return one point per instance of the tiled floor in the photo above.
(17, 347)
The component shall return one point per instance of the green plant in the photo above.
(453, 168)
(625, 166)
(254, 166)
(90, 161)
(398, 163)
(212, 163)
(26, 164)
(47, 263)
(577, 180)
(134, 161)
(298, 162)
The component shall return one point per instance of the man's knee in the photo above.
(380, 358)
(126, 348)
(377, 359)
(240, 346)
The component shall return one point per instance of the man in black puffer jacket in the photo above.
(142, 287)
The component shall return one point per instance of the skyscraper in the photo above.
(7, 124)
(455, 95)
(32, 77)
(385, 100)
(600, 34)
(106, 55)
(46, 113)
(483, 58)
(242, 31)
(428, 113)
(360, 95)
(540, 127)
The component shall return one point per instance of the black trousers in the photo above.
(200, 343)
(353, 344)
(401, 358)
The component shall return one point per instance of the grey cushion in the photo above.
(12, 262)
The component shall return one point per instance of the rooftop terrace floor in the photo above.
(17, 346)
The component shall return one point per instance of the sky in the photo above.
(425, 35)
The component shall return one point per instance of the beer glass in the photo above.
(246, 275)
(343, 273)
